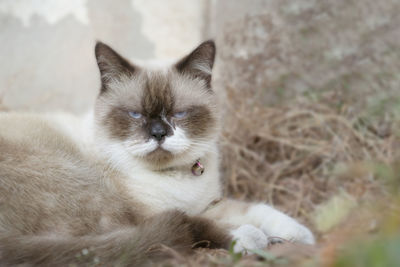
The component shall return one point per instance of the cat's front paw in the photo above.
(277, 224)
(248, 237)
(290, 230)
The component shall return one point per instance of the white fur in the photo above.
(175, 189)
(162, 191)
(203, 66)
(271, 221)
(118, 157)
(248, 238)
(177, 143)
(277, 224)
(165, 190)
(139, 149)
(80, 129)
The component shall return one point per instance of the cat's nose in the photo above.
(158, 131)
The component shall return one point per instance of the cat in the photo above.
(140, 171)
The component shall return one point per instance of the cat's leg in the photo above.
(125, 246)
(248, 237)
(208, 233)
(270, 221)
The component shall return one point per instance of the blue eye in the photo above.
(135, 115)
(180, 115)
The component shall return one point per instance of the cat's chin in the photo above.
(161, 158)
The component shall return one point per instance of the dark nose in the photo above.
(158, 131)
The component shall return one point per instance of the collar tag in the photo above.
(197, 168)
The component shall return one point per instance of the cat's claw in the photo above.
(248, 237)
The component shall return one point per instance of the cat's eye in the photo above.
(135, 115)
(180, 115)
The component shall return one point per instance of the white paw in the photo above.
(277, 224)
(290, 230)
(248, 237)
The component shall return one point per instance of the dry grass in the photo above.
(288, 155)
(300, 158)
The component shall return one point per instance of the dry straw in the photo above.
(287, 156)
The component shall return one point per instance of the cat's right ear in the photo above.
(111, 64)
(199, 63)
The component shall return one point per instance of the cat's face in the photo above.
(162, 117)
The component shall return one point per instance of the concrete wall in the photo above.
(341, 52)
(46, 48)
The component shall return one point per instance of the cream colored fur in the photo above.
(66, 152)
(161, 191)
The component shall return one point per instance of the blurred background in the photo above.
(310, 92)
(49, 44)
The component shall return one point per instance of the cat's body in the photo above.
(120, 180)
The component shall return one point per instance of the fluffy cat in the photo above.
(112, 186)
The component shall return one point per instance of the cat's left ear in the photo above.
(111, 64)
(199, 63)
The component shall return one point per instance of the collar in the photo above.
(197, 168)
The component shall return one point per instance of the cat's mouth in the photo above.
(158, 148)
(163, 148)
(162, 152)
(159, 155)
(168, 147)
(154, 147)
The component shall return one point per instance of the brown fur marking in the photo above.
(203, 54)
